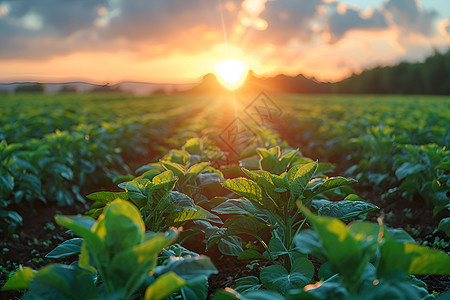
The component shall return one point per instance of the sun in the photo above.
(231, 73)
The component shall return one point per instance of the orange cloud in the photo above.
(175, 40)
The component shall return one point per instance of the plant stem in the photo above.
(299, 227)
(264, 245)
(287, 237)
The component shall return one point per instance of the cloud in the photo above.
(60, 18)
(289, 19)
(279, 34)
(151, 28)
(444, 28)
(344, 19)
(410, 18)
(29, 27)
(405, 16)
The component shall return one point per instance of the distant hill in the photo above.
(278, 84)
(131, 87)
(429, 77)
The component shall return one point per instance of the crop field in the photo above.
(239, 196)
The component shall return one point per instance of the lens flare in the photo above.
(231, 73)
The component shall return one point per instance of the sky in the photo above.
(178, 41)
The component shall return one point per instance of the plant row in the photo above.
(388, 143)
(54, 167)
(280, 208)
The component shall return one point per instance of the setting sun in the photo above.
(231, 73)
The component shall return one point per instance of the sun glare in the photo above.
(231, 73)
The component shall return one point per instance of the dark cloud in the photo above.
(408, 16)
(173, 24)
(59, 18)
(38, 29)
(181, 26)
(140, 19)
(289, 19)
(447, 29)
(340, 23)
(71, 25)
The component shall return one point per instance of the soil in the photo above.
(417, 219)
(28, 246)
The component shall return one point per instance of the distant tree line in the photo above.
(30, 88)
(429, 77)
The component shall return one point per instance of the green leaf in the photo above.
(158, 194)
(84, 261)
(205, 179)
(129, 267)
(277, 247)
(6, 183)
(270, 183)
(193, 146)
(409, 168)
(196, 169)
(398, 235)
(180, 201)
(197, 291)
(277, 278)
(164, 177)
(62, 282)
(135, 192)
(246, 188)
(251, 163)
(269, 159)
(149, 175)
(444, 225)
(150, 167)
(230, 245)
(177, 156)
(251, 254)
(69, 247)
(332, 183)
(286, 160)
(194, 213)
(61, 169)
(444, 166)
(192, 269)
(247, 284)
(107, 197)
(20, 280)
(7, 150)
(301, 179)
(11, 217)
(236, 206)
(353, 197)
(243, 224)
(307, 242)
(325, 271)
(339, 245)
(82, 227)
(411, 258)
(346, 209)
(177, 169)
(163, 286)
(230, 294)
(226, 294)
(122, 226)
